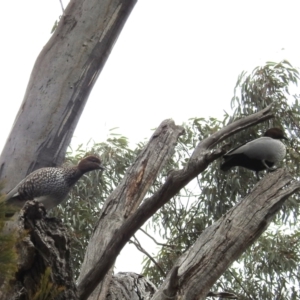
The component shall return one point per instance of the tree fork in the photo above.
(107, 242)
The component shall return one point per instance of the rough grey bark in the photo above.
(223, 242)
(60, 83)
(43, 246)
(120, 205)
(130, 286)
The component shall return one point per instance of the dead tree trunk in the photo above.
(60, 83)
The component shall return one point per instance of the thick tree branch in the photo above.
(241, 124)
(122, 203)
(101, 261)
(223, 242)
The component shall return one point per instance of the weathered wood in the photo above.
(241, 124)
(60, 83)
(121, 204)
(223, 242)
(44, 258)
(130, 286)
(117, 223)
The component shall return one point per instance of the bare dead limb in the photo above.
(223, 242)
(224, 133)
(123, 202)
(125, 208)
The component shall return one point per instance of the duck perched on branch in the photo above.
(50, 186)
(259, 154)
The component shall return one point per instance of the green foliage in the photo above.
(8, 255)
(268, 270)
(46, 289)
(55, 25)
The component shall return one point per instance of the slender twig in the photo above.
(240, 284)
(226, 295)
(141, 249)
(191, 234)
(62, 7)
(154, 240)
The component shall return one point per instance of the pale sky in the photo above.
(173, 59)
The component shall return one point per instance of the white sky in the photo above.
(174, 59)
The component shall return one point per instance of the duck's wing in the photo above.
(253, 149)
(235, 150)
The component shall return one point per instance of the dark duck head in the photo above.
(50, 186)
(89, 163)
(259, 154)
